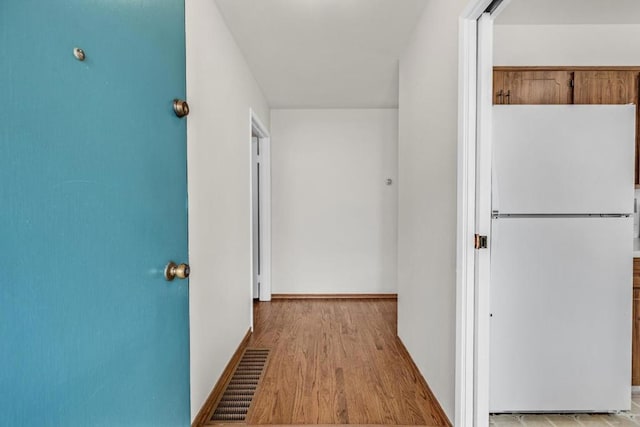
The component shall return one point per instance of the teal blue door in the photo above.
(94, 205)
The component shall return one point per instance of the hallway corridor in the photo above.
(337, 362)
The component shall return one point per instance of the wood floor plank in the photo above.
(337, 362)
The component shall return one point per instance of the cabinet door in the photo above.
(498, 86)
(605, 87)
(533, 87)
(635, 353)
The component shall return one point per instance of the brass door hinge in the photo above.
(480, 242)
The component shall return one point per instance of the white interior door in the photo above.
(561, 295)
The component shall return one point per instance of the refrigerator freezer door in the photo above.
(563, 159)
(561, 298)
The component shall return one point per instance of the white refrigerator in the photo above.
(561, 258)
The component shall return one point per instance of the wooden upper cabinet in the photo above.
(635, 341)
(606, 87)
(532, 87)
(636, 273)
(635, 353)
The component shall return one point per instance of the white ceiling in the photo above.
(324, 53)
(552, 12)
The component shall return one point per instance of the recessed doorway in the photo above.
(260, 211)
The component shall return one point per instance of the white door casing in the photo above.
(263, 231)
(255, 214)
(475, 66)
(483, 217)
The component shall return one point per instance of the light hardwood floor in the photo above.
(337, 362)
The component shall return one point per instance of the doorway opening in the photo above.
(474, 172)
(260, 211)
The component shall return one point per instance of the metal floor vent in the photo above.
(237, 397)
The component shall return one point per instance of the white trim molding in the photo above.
(471, 389)
(465, 300)
(261, 130)
(483, 217)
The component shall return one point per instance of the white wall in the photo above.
(588, 45)
(333, 217)
(427, 197)
(220, 91)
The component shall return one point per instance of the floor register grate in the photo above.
(236, 399)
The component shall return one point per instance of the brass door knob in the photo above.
(173, 270)
(180, 107)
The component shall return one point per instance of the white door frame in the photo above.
(474, 213)
(258, 128)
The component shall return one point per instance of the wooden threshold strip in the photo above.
(205, 412)
(333, 296)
